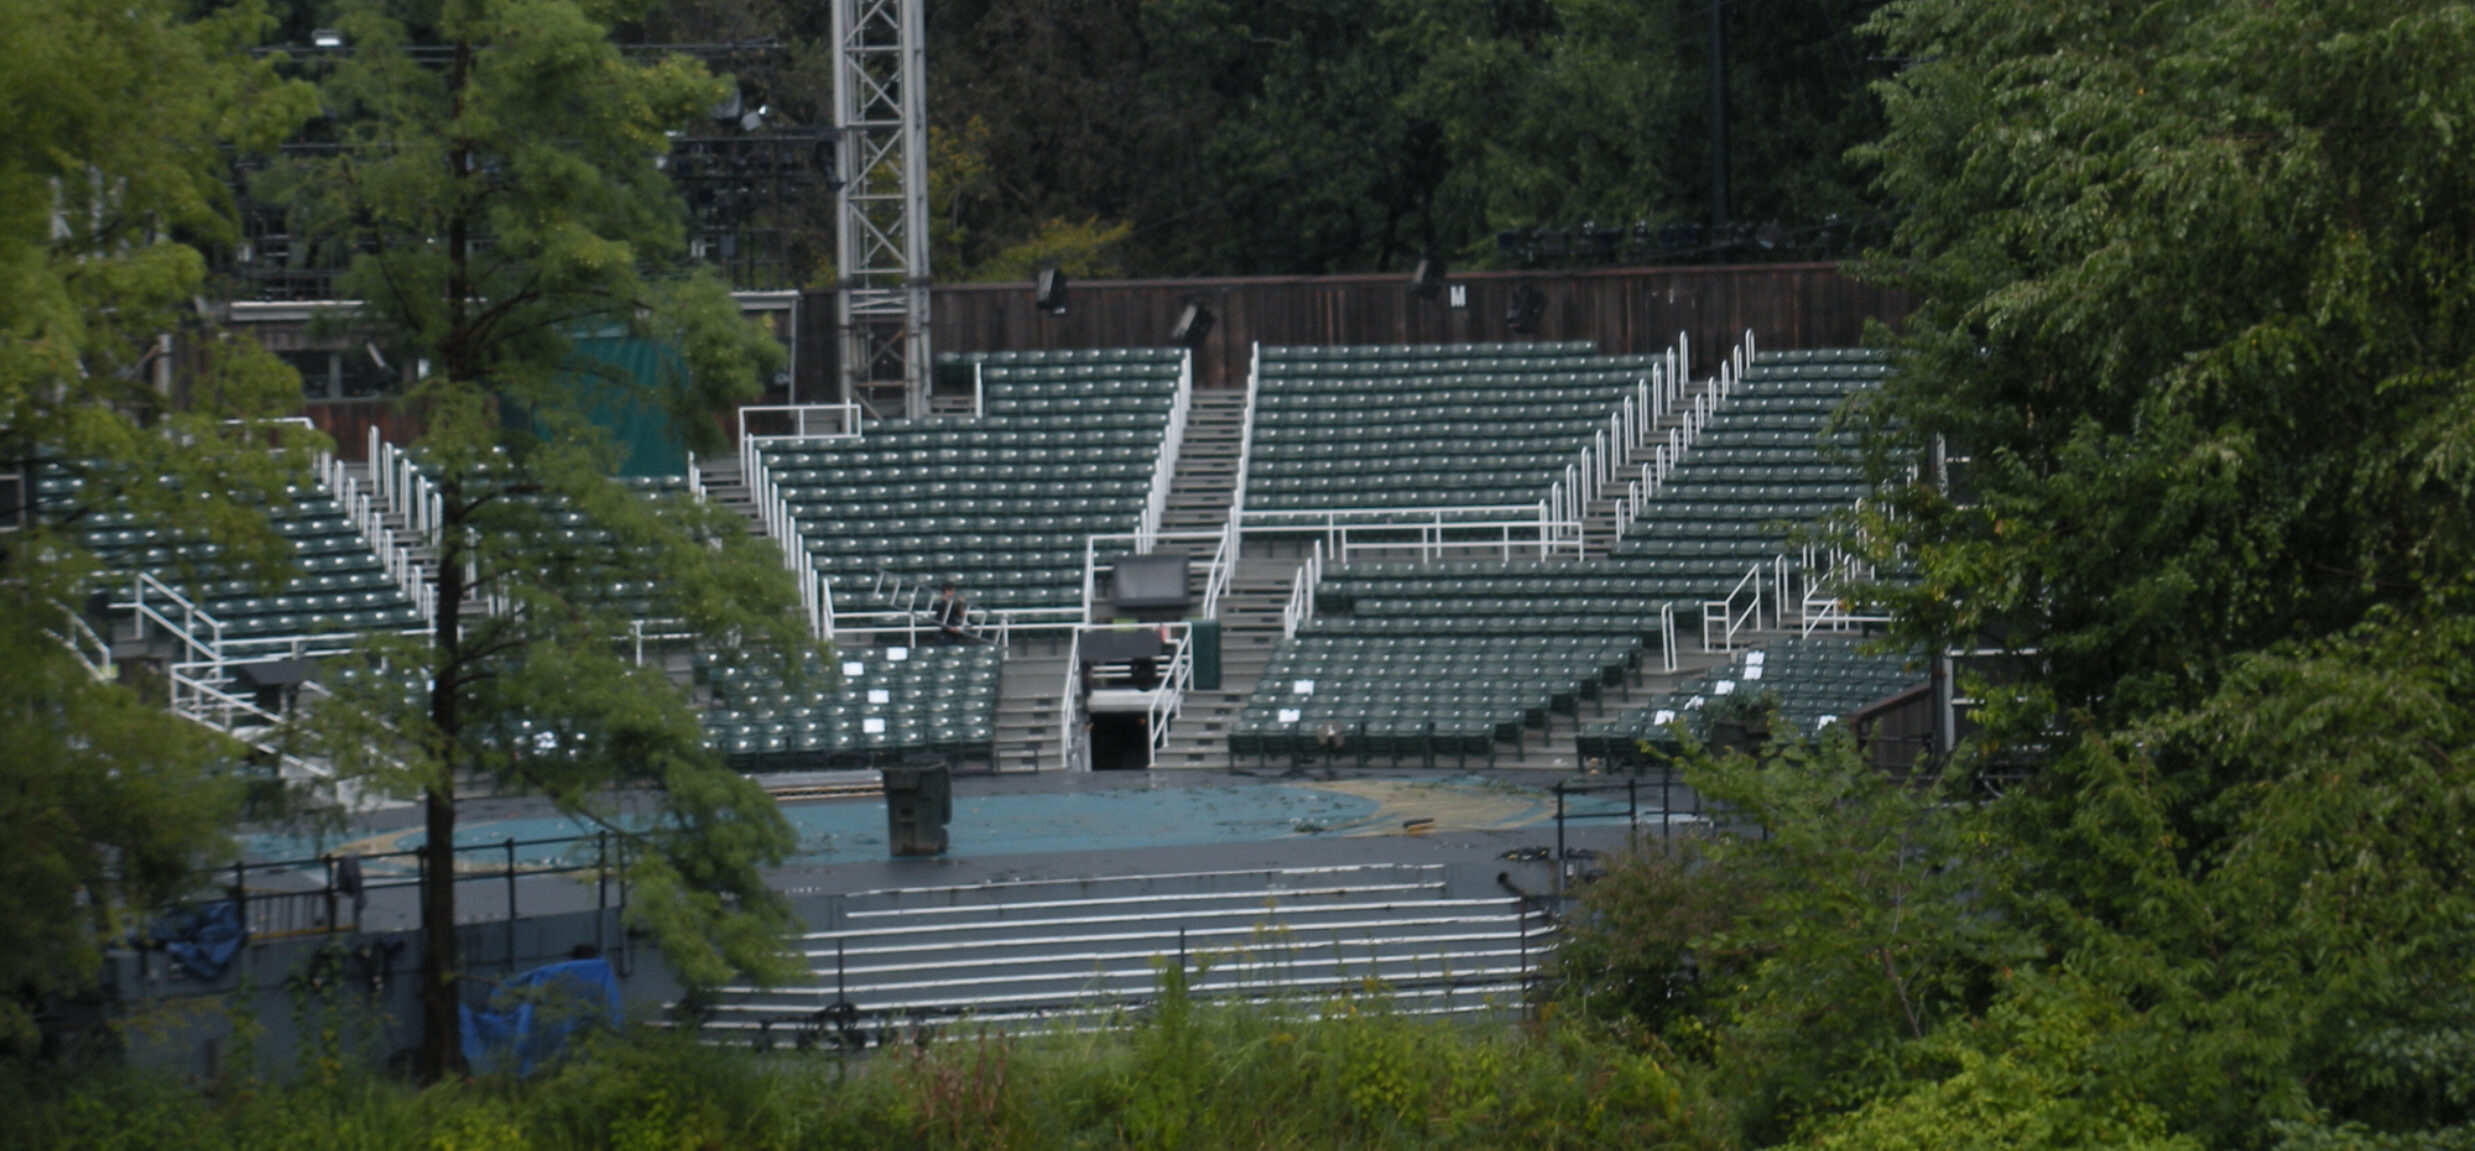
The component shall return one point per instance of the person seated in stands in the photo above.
(952, 614)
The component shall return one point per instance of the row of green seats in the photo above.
(1085, 377)
(1168, 355)
(1413, 408)
(1148, 408)
(1550, 349)
(1547, 420)
(1365, 389)
(1047, 525)
(949, 463)
(1642, 628)
(1810, 683)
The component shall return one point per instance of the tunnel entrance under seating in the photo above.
(1121, 742)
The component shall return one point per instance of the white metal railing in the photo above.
(1223, 569)
(911, 611)
(1667, 635)
(1727, 619)
(1164, 466)
(1629, 427)
(843, 420)
(1824, 605)
(1428, 533)
(1246, 437)
(1691, 416)
(695, 479)
(155, 602)
(1070, 750)
(82, 642)
(1301, 604)
(406, 488)
(774, 511)
(1161, 710)
(369, 521)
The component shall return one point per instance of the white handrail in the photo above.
(82, 641)
(845, 415)
(1223, 570)
(1729, 620)
(1532, 529)
(1070, 702)
(1246, 436)
(209, 649)
(1300, 606)
(1164, 466)
(1160, 712)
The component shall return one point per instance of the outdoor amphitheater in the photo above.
(1350, 666)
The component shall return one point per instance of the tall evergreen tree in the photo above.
(498, 189)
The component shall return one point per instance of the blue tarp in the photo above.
(201, 939)
(532, 1016)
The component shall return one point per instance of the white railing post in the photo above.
(1246, 444)
(1068, 701)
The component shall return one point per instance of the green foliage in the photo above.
(118, 114)
(500, 197)
(1346, 1073)
(2190, 280)
(1238, 137)
(2026, 1075)
(1806, 963)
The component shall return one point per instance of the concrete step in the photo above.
(1442, 941)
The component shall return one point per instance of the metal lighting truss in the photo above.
(881, 114)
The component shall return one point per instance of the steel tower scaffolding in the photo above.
(881, 114)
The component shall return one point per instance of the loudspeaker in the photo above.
(1428, 281)
(1051, 293)
(1192, 326)
(1528, 305)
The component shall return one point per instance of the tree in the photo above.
(1806, 963)
(2191, 279)
(1234, 137)
(109, 804)
(497, 190)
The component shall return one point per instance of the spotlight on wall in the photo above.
(1427, 282)
(1193, 325)
(1527, 307)
(1050, 294)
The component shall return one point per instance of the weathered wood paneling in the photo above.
(1626, 310)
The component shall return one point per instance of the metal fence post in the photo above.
(511, 905)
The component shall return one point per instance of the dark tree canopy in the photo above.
(1228, 137)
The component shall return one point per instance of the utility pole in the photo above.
(881, 118)
(1718, 113)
